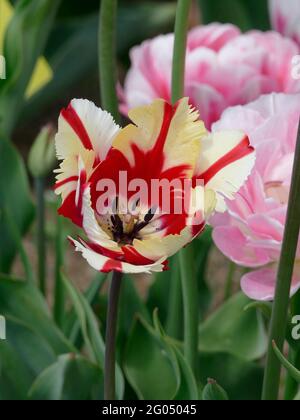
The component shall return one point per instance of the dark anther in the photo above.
(149, 216)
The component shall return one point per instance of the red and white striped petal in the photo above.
(85, 133)
(106, 264)
(225, 162)
(72, 187)
(168, 135)
(84, 126)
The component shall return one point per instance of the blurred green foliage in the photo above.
(246, 14)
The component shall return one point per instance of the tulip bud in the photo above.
(214, 392)
(42, 154)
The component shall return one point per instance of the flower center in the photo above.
(127, 227)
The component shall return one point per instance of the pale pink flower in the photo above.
(285, 17)
(223, 68)
(250, 232)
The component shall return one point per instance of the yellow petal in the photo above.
(6, 12)
(176, 134)
(42, 75)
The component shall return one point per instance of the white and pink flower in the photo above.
(223, 68)
(285, 17)
(250, 232)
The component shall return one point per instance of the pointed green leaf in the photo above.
(232, 330)
(71, 377)
(214, 392)
(295, 373)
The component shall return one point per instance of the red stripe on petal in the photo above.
(161, 139)
(70, 210)
(104, 251)
(197, 229)
(66, 181)
(132, 256)
(238, 152)
(72, 118)
(112, 265)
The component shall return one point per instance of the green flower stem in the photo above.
(41, 236)
(59, 290)
(178, 68)
(107, 57)
(189, 284)
(16, 236)
(174, 319)
(284, 278)
(190, 306)
(110, 339)
(109, 100)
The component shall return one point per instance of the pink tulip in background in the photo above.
(285, 17)
(223, 68)
(255, 220)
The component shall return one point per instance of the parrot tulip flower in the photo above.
(285, 18)
(163, 143)
(255, 221)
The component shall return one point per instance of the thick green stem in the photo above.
(174, 319)
(107, 57)
(284, 278)
(59, 292)
(189, 284)
(41, 236)
(190, 306)
(181, 27)
(110, 339)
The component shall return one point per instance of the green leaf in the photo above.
(72, 324)
(25, 39)
(71, 377)
(242, 380)
(214, 392)
(294, 373)
(264, 307)
(23, 355)
(163, 294)
(154, 367)
(130, 306)
(226, 11)
(90, 331)
(188, 387)
(149, 365)
(23, 301)
(246, 14)
(232, 330)
(14, 196)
